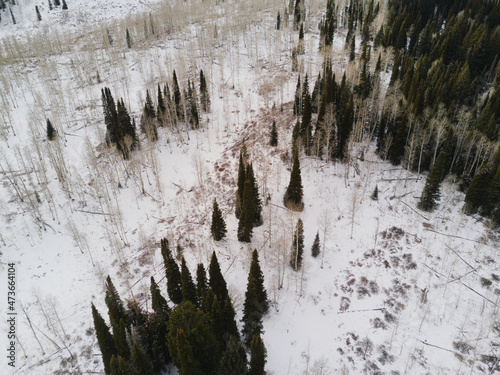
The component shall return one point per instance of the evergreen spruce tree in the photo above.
(204, 95)
(273, 141)
(140, 361)
(129, 39)
(64, 5)
(57, 2)
(148, 119)
(201, 282)
(232, 363)
(375, 193)
(256, 202)
(216, 280)
(306, 127)
(278, 21)
(158, 302)
(51, 131)
(217, 323)
(188, 287)
(258, 356)
(218, 227)
(245, 225)
(50, 5)
(315, 247)
(187, 362)
(125, 131)
(161, 109)
(297, 246)
(297, 105)
(120, 338)
(38, 15)
(158, 323)
(431, 192)
(116, 310)
(256, 277)
(104, 339)
(293, 195)
(352, 49)
(194, 118)
(119, 366)
(241, 184)
(228, 317)
(174, 283)
(177, 98)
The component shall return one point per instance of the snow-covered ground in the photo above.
(394, 289)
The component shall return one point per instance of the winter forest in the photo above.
(257, 187)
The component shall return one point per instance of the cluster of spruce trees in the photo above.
(199, 335)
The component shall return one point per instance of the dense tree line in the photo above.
(199, 334)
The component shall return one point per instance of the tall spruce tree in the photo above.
(104, 339)
(177, 98)
(116, 310)
(216, 280)
(149, 119)
(431, 193)
(245, 225)
(228, 317)
(188, 287)
(258, 356)
(51, 131)
(273, 137)
(315, 249)
(297, 246)
(241, 184)
(174, 283)
(232, 362)
(64, 5)
(186, 359)
(140, 361)
(38, 15)
(293, 195)
(128, 38)
(256, 202)
(218, 227)
(119, 366)
(201, 282)
(204, 95)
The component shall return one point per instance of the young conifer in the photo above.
(201, 281)
(129, 39)
(140, 361)
(273, 141)
(293, 195)
(218, 227)
(104, 339)
(174, 283)
(38, 15)
(64, 5)
(188, 287)
(315, 249)
(245, 225)
(216, 281)
(258, 356)
(297, 246)
(375, 193)
(51, 131)
(241, 184)
(204, 95)
(232, 362)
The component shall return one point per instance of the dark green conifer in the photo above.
(161, 109)
(116, 310)
(352, 49)
(274, 135)
(204, 95)
(174, 284)
(140, 361)
(256, 202)
(297, 246)
(232, 362)
(258, 356)
(315, 247)
(241, 184)
(218, 227)
(177, 98)
(293, 195)
(187, 362)
(306, 126)
(431, 193)
(375, 193)
(64, 5)
(51, 131)
(38, 15)
(120, 338)
(57, 2)
(216, 280)
(278, 21)
(129, 39)
(228, 317)
(104, 339)
(148, 119)
(201, 281)
(188, 287)
(119, 366)
(246, 222)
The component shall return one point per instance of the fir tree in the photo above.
(232, 363)
(241, 184)
(104, 339)
(228, 317)
(158, 302)
(216, 280)
(38, 15)
(256, 278)
(201, 281)
(352, 49)
(278, 21)
(187, 362)
(431, 193)
(148, 119)
(161, 109)
(245, 225)
(57, 2)
(218, 227)
(119, 366)
(120, 338)
(204, 95)
(129, 39)
(140, 361)
(306, 127)
(293, 195)
(258, 356)
(297, 246)
(375, 193)
(188, 287)
(194, 118)
(116, 310)
(177, 98)
(174, 283)
(315, 247)
(51, 131)
(64, 5)
(274, 135)
(256, 202)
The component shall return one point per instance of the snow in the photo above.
(92, 228)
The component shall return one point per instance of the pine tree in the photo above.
(256, 202)
(297, 246)
(148, 119)
(278, 21)
(51, 131)
(256, 277)
(177, 98)
(174, 283)
(274, 135)
(140, 361)
(315, 247)
(375, 193)
(216, 280)
(120, 338)
(258, 356)
(293, 195)
(38, 15)
(228, 317)
(119, 366)
(64, 5)
(158, 323)
(232, 363)
(104, 339)
(158, 302)
(201, 281)
(245, 225)
(306, 127)
(204, 95)
(57, 2)
(218, 227)
(194, 118)
(116, 310)
(129, 39)
(241, 184)
(187, 362)
(188, 287)
(352, 49)
(431, 192)
(161, 109)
